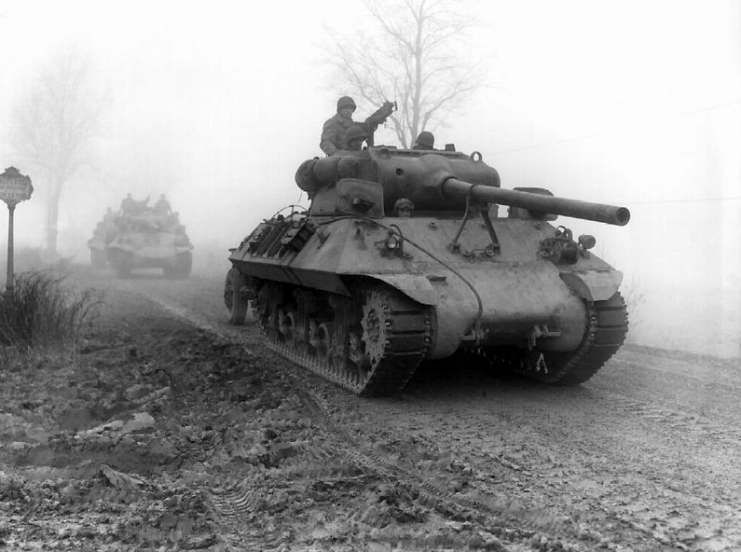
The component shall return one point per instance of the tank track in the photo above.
(370, 344)
(606, 330)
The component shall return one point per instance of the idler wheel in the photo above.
(234, 298)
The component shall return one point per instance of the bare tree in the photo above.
(415, 58)
(55, 126)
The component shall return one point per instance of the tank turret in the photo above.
(443, 181)
(362, 292)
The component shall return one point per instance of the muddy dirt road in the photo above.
(172, 430)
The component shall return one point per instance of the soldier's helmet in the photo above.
(404, 208)
(346, 101)
(403, 203)
(355, 132)
(425, 140)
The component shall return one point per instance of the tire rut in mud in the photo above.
(646, 517)
(353, 457)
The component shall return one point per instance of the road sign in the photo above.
(14, 187)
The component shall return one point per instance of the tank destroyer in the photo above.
(142, 239)
(359, 292)
(104, 233)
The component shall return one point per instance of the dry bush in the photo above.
(40, 312)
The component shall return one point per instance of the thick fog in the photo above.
(215, 104)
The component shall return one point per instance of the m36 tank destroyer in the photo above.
(105, 232)
(359, 292)
(144, 238)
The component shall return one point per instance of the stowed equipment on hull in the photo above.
(362, 296)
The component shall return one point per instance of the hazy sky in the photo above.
(632, 102)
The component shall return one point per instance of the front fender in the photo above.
(414, 286)
(593, 285)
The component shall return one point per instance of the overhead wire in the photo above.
(690, 200)
(615, 131)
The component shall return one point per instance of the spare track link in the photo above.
(407, 328)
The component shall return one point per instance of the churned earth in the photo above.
(167, 429)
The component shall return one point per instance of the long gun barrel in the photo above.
(609, 214)
(432, 183)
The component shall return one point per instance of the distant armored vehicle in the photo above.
(105, 232)
(361, 293)
(142, 239)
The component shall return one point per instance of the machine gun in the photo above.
(377, 118)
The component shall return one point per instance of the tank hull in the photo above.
(402, 257)
(517, 290)
(513, 300)
(136, 251)
(143, 241)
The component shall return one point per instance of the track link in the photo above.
(606, 330)
(380, 339)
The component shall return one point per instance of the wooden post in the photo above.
(10, 281)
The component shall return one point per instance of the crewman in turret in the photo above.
(404, 208)
(162, 206)
(354, 138)
(425, 141)
(335, 128)
(129, 205)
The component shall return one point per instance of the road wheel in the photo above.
(236, 296)
(183, 264)
(122, 264)
(180, 268)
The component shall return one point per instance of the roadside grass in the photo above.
(40, 313)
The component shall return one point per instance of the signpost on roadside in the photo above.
(14, 188)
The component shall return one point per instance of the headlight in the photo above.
(393, 242)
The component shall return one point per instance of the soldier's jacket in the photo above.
(333, 133)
